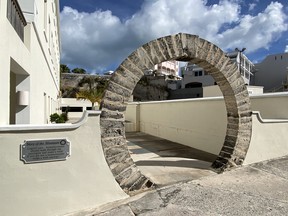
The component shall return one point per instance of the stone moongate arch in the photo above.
(181, 47)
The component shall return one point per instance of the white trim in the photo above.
(45, 127)
(259, 117)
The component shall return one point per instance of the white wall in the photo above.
(81, 182)
(37, 58)
(214, 90)
(271, 106)
(272, 72)
(132, 117)
(201, 123)
(73, 102)
(268, 141)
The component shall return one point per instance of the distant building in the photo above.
(74, 107)
(167, 68)
(196, 82)
(194, 76)
(272, 73)
(29, 60)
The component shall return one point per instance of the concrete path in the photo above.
(259, 189)
(166, 162)
(186, 185)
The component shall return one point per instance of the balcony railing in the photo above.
(16, 17)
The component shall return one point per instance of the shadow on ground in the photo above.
(166, 162)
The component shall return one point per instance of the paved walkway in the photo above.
(258, 189)
(166, 162)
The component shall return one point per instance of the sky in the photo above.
(98, 35)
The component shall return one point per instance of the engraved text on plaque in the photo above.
(35, 151)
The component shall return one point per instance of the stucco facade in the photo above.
(196, 77)
(168, 68)
(272, 73)
(29, 60)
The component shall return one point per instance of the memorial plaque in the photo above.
(35, 151)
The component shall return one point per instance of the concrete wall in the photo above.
(201, 123)
(73, 102)
(214, 91)
(272, 72)
(271, 106)
(83, 181)
(186, 93)
(31, 65)
(132, 117)
(192, 122)
(269, 139)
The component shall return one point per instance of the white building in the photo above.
(272, 73)
(245, 66)
(29, 60)
(195, 76)
(75, 108)
(168, 68)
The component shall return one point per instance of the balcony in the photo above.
(16, 17)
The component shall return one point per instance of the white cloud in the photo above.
(252, 6)
(255, 32)
(88, 39)
(286, 48)
(96, 40)
(165, 17)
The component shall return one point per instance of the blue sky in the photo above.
(99, 34)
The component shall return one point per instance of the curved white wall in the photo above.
(81, 182)
(269, 139)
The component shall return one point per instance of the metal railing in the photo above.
(16, 17)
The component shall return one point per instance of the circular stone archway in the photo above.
(181, 47)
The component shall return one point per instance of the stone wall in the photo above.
(70, 83)
(181, 47)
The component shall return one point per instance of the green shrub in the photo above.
(62, 118)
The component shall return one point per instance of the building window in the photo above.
(72, 109)
(198, 73)
(45, 18)
(52, 7)
(16, 17)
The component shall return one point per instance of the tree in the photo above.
(93, 95)
(94, 87)
(79, 71)
(64, 69)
